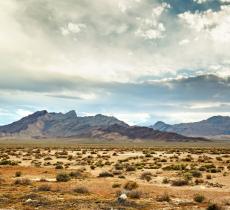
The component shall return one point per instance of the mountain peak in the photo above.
(71, 114)
(217, 118)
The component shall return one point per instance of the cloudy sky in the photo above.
(139, 60)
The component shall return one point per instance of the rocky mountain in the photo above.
(214, 126)
(43, 124)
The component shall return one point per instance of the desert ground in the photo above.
(127, 177)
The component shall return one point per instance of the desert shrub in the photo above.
(130, 168)
(7, 162)
(81, 190)
(188, 176)
(214, 206)
(76, 174)
(117, 172)
(165, 180)
(18, 173)
(134, 194)
(22, 182)
(44, 187)
(116, 185)
(180, 182)
(163, 198)
(92, 167)
(175, 167)
(130, 185)
(58, 167)
(146, 176)
(43, 180)
(105, 174)
(62, 177)
(196, 173)
(219, 158)
(208, 176)
(199, 181)
(198, 198)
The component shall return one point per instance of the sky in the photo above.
(138, 60)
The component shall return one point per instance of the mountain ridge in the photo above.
(213, 126)
(43, 124)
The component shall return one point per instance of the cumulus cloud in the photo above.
(152, 28)
(73, 28)
(108, 56)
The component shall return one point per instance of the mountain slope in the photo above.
(42, 124)
(214, 126)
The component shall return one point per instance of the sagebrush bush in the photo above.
(134, 194)
(81, 190)
(180, 182)
(22, 182)
(130, 185)
(44, 187)
(105, 174)
(163, 198)
(63, 177)
(198, 198)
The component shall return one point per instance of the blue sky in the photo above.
(138, 60)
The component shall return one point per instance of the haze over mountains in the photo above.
(212, 127)
(43, 124)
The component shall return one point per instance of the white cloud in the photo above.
(214, 25)
(184, 42)
(200, 1)
(73, 28)
(152, 28)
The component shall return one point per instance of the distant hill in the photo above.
(43, 124)
(214, 126)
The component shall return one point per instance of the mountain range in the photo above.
(212, 127)
(43, 124)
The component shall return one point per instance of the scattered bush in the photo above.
(130, 185)
(179, 182)
(165, 180)
(81, 190)
(116, 185)
(62, 177)
(214, 206)
(146, 176)
(18, 173)
(134, 194)
(198, 198)
(105, 174)
(22, 182)
(44, 187)
(208, 176)
(165, 197)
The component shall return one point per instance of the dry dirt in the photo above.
(148, 176)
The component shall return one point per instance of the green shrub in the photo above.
(81, 190)
(198, 198)
(116, 185)
(62, 177)
(22, 182)
(105, 174)
(179, 182)
(163, 198)
(18, 173)
(214, 206)
(130, 185)
(134, 194)
(44, 187)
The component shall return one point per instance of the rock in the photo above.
(122, 198)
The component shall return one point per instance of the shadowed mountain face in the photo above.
(214, 126)
(42, 124)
